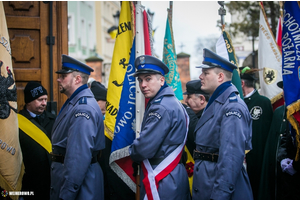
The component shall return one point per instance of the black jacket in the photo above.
(36, 159)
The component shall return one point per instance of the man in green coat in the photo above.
(280, 182)
(261, 111)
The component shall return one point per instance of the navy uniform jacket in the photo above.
(261, 111)
(78, 133)
(225, 129)
(163, 129)
(36, 159)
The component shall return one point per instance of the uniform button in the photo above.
(284, 120)
(51, 188)
(197, 168)
(196, 190)
(52, 168)
(230, 188)
(75, 187)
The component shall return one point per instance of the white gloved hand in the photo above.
(290, 169)
(284, 163)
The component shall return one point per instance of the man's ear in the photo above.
(162, 80)
(221, 76)
(78, 79)
(202, 98)
(243, 83)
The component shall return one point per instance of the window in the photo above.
(83, 33)
(91, 37)
(71, 32)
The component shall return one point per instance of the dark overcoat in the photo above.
(78, 134)
(36, 159)
(261, 111)
(224, 129)
(163, 130)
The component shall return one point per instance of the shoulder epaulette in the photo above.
(233, 98)
(158, 100)
(83, 100)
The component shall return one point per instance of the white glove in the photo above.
(287, 166)
(284, 163)
(290, 169)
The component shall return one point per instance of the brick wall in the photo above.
(183, 63)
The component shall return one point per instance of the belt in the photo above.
(61, 158)
(156, 161)
(205, 156)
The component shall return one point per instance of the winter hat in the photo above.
(99, 91)
(33, 90)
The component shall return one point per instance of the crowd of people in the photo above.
(241, 149)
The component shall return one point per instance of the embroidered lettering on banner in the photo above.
(82, 114)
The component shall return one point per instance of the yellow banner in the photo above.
(119, 64)
(11, 166)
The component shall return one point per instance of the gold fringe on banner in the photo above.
(6, 186)
(277, 97)
(291, 109)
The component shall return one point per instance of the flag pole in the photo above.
(140, 99)
(230, 52)
(222, 12)
(281, 8)
(170, 15)
(170, 11)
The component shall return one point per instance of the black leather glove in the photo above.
(135, 166)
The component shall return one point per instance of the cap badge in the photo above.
(142, 60)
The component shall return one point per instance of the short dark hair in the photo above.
(249, 83)
(84, 77)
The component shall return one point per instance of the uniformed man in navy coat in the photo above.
(223, 134)
(162, 137)
(77, 137)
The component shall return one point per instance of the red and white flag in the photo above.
(279, 33)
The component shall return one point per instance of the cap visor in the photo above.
(145, 72)
(280, 84)
(204, 66)
(63, 71)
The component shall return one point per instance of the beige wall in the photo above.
(104, 11)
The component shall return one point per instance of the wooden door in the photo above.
(28, 24)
